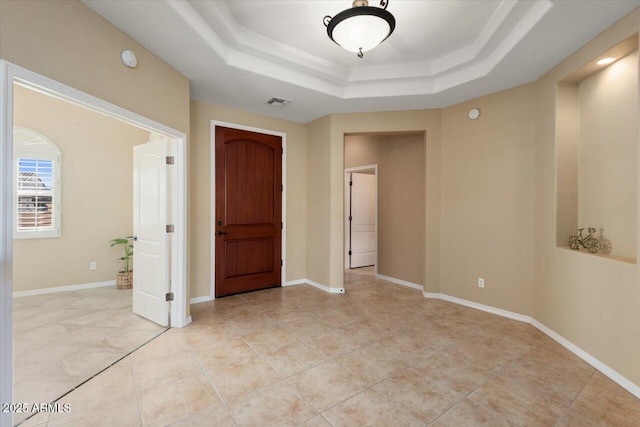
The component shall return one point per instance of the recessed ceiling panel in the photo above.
(426, 31)
(241, 52)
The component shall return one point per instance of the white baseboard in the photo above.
(294, 282)
(432, 295)
(184, 323)
(400, 282)
(67, 288)
(489, 309)
(600, 366)
(324, 288)
(611, 373)
(197, 300)
(315, 285)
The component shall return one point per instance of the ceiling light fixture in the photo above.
(362, 27)
(606, 61)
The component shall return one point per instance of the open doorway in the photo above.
(70, 184)
(74, 180)
(384, 240)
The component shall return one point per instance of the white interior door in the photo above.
(363, 220)
(150, 250)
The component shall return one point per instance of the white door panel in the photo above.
(150, 251)
(363, 214)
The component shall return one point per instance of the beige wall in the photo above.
(200, 189)
(591, 301)
(607, 188)
(97, 193)
(401, 199)
(68, 42)
(318, 196)
(488, 198)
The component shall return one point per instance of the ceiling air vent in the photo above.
(279, 102)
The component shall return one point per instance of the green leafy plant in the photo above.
(128, 250)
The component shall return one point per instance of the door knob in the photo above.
(221, 233)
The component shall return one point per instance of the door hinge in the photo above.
(171, 160)
(350, 218)
(281, 187)
(169, 296)
(281, 263)
(282, 226)
(349, 253)
(350, 183)
(170, 228)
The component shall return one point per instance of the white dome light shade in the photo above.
(361, 32)
(360, 28)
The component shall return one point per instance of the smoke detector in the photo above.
(129, 58)
(279, 102)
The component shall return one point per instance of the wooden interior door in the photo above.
(248, 232)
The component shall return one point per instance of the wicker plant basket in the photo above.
(125, 280)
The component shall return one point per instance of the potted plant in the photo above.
(125, 276)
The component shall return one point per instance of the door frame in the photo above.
(347, 205)
(283, 136)
(10, 74)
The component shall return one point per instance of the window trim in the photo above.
(47, 151)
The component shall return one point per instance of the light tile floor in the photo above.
(379, 355)
(61, 340)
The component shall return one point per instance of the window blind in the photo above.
(36, 202)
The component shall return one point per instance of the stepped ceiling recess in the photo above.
(242, 53)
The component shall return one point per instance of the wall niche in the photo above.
(597, 151)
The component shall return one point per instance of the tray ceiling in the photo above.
(241, 53)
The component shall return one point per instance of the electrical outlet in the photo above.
(480, 282)
(93, 265)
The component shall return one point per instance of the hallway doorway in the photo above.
(387, 175)
(79, 323)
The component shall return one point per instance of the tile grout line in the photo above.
(92, 377)
(286, 378)
(224, 403)
(517, 381)
(295, 390)
(496, 373)
(394, 404)
(135, 383)
(283, 378)
(335, 404)
(465, 396)
(135, 388)
(566, 411)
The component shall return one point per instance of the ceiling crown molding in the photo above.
(242, 52)
(236, 37)
(244, 49)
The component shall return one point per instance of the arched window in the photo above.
(36, 186)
